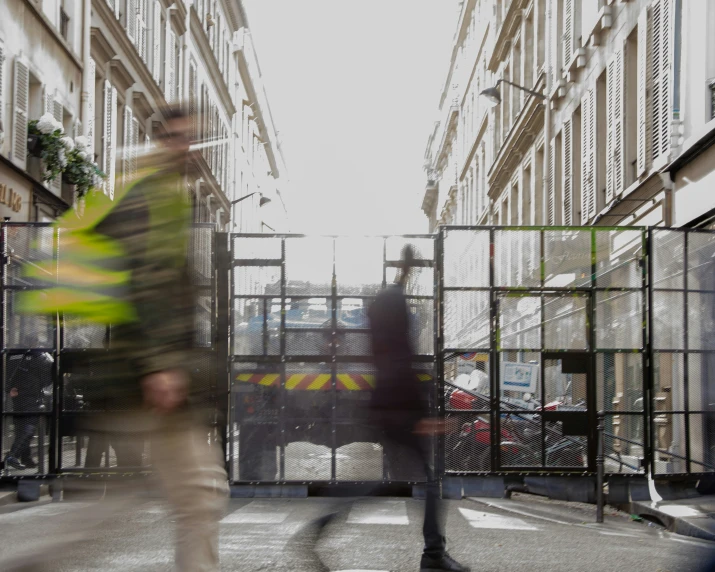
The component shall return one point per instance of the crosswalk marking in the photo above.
(382, 512)
(256, 512)
(479, 519)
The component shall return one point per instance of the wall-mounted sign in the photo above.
(519, 376)
(10, 198)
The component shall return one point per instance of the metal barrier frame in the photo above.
(221, 352)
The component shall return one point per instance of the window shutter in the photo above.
(127, 151)
(551, 199)
(48, 101)
(2, 105)
(568, 37)
(109, 154)
(568, 171)
(588, 182)
(57, 113)
(193, 112)
(170, 58)
(156, 39)
(661, 63)
(614, 126)
(642, 155)
(134, 151)
(141, 30)
(90, 105)
(20, 107)
(132, 20)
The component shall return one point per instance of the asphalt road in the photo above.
(523, 534)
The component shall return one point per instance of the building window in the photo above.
(64, 23)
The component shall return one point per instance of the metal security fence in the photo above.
(682, 351)
(301, 370)
(540, 329)
(529, 332)
(51, 367)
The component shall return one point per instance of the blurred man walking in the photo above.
(400, 414)
(129, 265)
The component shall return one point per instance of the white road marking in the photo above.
(617, 534)
(47, 510)
(504, 507)
(382, 512)
(479, 519)
(256, 512)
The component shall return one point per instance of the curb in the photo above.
(690, 522)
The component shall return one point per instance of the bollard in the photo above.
(599, 467)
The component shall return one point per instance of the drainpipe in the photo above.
(187, 54)
(87, 86)
(547, 115)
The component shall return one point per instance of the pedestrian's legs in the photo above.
(414, 458)
(24, 432)
(195, 482)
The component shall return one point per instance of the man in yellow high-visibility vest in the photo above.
(143, 382)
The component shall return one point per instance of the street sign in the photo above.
(519, 376)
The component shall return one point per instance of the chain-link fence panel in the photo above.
(466, 319)
(519, 322)
(466, 258)
(619, 382)
(702, 442)
(517, 258)
(619, 320)
(701, 259)
(624, 444)
(28, 246)
(358, 265)
(256, 248)
(668, 259)
(669, 435)
(567, 258)
(566, 323)
(619, 258)
(701, 390)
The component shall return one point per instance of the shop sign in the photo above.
(10, 198)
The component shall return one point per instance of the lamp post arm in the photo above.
(534, 93)
(244, 198)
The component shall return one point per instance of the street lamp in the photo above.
(263, 201)
(493, 96)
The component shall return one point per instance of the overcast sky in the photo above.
(354, 87)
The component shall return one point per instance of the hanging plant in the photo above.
(80, 170)
(45, 140)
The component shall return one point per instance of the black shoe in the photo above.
(444, 563)
(29, 463)
(14, 462)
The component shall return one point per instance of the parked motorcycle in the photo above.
(520, 435)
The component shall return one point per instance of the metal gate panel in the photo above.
(564, 305)
(301, 359)
(682, 330)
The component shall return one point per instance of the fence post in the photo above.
(599, 467)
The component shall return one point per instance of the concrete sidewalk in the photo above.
(691, 517)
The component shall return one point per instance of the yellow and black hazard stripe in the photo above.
(317, 381)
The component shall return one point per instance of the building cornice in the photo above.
(199, 168)
(477, 140)
(101, 50)
(121, 77)
(506, 32)
(206, 53)
(119, 35)
(262, 113)
(521, 135)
